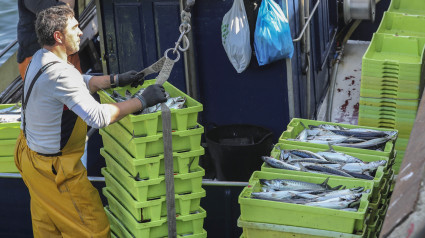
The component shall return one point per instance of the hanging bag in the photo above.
(235, 36)
(272, 36)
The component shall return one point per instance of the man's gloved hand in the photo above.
(129, 77)
(151, 95)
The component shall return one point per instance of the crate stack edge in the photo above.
(319, 222)
(134, 172)
(9, 132)
(392, 72)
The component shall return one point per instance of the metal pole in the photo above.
(5, 50)
(307, 22)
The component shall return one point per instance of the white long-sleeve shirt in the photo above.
(59, 88)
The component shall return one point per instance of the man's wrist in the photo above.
(112, 81)
(142, 100)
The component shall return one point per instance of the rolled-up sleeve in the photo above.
(87, 80)
(72, 91)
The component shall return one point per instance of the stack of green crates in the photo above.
(379, 198)
(135, 173)
(9, 132)
(408, 7)
(392, 79)
(265, 218)
(261, 218)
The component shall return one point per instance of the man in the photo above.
(48, 150)
(27, 37)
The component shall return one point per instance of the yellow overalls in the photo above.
(64, 203)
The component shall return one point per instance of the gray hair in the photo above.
(50, 20)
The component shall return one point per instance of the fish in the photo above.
(360, 134)
(326, 169)
(365, 144)
(338, 157)
(275, 163)
(278, 195)
(307, 160)
(333, 203)
(9, 118)
(15, 109)
(287, 184)
(306, 154)
(360, 175)
(339, 193)
(362, 167)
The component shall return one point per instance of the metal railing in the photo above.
(8, 47)
(307, 22)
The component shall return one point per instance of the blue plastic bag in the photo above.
(272, 37)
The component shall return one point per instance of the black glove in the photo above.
(151, 95)
(130, 77)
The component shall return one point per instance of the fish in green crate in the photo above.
(15, 109)
(328, 162)
(347, 137)
(288, 184)
(10, 114)
(338, 157)
(310, 194)
(172, 102)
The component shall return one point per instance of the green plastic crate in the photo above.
(407, 105)
(151, 167)
(294, 128)
(153, 188)
(386, 192)
(7, 165)
(404, 129)
(401, 144)
(147, 168)
(390, 92)
(186, 225)
(151, 124)
(402, 53)
(372, 227)
(411, 7)
(9, 130)
(399, 24)
(7, 148)
(120, 231)
(389, 115)
(113, 234)
(378, 180)
(402, 125)
(383, 210)
(185, 203)
(387, 73)
(152, 210)
(257, 229)
(264, 211)
(386, 81)
(149, 146)
(374, 210)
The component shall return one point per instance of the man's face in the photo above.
(72, 34)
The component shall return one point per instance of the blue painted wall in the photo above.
(256, 96)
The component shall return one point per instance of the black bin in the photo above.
(236, 150)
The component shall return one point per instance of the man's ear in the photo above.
(58, 36)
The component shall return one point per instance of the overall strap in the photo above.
(25, 99)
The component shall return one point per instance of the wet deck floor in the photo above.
(345, 106)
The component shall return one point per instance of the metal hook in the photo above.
(186, 40)
(174, 52)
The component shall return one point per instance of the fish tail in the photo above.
(325, 183)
